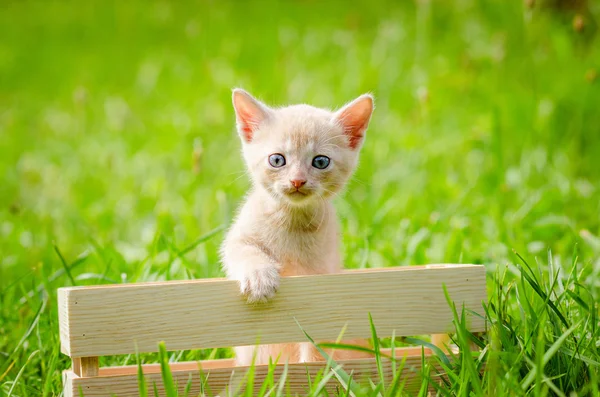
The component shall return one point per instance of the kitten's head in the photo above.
(300, 154)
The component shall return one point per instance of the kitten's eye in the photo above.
(276, 160)
(321, 162)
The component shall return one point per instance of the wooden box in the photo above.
(120, 319)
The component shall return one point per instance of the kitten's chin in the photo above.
(297, 197)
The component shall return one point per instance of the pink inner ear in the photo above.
(354, 141)
(248, 132)
(355, 133)
(247, 125)
(249, 113)
(355, 120)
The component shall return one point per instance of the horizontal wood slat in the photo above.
(113, 319)
(123, 382)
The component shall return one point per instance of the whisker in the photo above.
(239, 177)
(354, 178)
(322, 212)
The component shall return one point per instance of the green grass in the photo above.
(117, 153)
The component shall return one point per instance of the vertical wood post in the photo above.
(85, 366)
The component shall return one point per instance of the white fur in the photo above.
(278, 231)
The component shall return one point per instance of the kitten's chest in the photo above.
(302, 253)
(290, 245)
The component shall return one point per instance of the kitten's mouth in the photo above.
(296, 195)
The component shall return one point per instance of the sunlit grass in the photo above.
(542, 339)
(120, 163)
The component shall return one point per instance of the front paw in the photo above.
(260, 285)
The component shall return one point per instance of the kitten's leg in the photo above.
(257, 272)
(258, 275)
(244, 354)
(308, 353)
(442, 341)
(280, 352)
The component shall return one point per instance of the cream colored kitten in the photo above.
(298, 157)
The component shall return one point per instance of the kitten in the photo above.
(298, 158)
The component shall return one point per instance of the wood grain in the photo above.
(85, 366)
(108, 320)
(218, 376)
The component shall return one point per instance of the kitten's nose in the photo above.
(298, 183)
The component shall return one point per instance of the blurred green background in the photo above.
(116, 125)
(117, 140)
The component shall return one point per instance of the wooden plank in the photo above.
(85, 366)
(219, 375)
(88, 366)
(63, 319)
(67, 381)
(108, 320)
(76, 366)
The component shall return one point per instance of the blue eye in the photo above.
(321, 162)
(276, 160)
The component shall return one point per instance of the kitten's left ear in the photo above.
(249, 113)
(354, 119)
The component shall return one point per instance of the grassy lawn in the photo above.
(118, 152)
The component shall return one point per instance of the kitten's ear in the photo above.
(249, 113)
(354, 119)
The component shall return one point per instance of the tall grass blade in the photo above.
(64, 264)
(202, 239)
(340, 373)
(320, 387)
(548, 355)
(142, 386)
(436, 350)
(536, 287)
(377, 353)
(282, 380)
(165, 369)
(20, 373)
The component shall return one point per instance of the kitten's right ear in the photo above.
(249, 113)
(354, 119)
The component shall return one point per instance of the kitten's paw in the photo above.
(260, 285)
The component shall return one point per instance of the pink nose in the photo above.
(298, 183)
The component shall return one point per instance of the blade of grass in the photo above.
(188, 386)
(165, 369)
(142, 386)
(34, 322)
(201, 240)
(268, 383)
(347, 384)
(462, 341)
(344, 346)
(548, 355)
(536, 287)
(18, 377)
(393, 351)
(52, 367)
(348, 393)
(396, 386)
(318, 389)
(64, 263)
(249, 376)
(282, 380)
(436, 350)
(377, 353)
(204, 386)
(340, 373)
